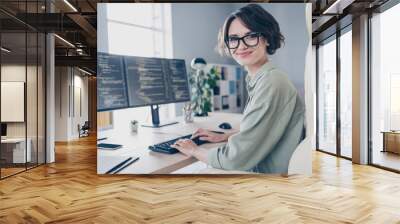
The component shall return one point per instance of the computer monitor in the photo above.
(130, 81)
(3, 130)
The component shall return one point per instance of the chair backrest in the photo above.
(86, 125)
(301, 160)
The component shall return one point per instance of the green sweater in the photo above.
(270, 130)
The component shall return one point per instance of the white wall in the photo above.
(195, 31)
(61, 103)
(301, 161)
(68, 81)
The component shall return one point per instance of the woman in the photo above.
(273, 119)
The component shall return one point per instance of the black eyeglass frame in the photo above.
(243, 40)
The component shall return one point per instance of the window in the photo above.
(335, 94)
(136, 30)
(346, 92)
(385, 89)
(327, 96)
(139, 29)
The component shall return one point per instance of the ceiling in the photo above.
(76, 21)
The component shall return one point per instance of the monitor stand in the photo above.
(155, 117)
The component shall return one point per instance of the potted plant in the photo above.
(202, 85)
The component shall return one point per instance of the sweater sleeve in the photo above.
(261, 128)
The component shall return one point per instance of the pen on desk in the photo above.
(126, 165)
(118, 166)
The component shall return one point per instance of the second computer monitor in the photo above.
(130, 81)
(156, 81)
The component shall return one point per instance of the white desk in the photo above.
(153, 162)
(18, 151)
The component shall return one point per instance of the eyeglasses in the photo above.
(250, 40)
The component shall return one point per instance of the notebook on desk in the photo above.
(108, 146)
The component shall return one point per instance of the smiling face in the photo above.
(246, 55)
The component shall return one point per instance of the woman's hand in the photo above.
(185, 146)
(210, 136)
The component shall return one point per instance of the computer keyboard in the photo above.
(165, 147)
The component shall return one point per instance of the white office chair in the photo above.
(301, 160)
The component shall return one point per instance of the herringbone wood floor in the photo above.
(69, 191)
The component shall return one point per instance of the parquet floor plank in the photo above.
(70, 191)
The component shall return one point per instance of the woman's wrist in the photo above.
(226, 136)
(200, 154)
(192, 152)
